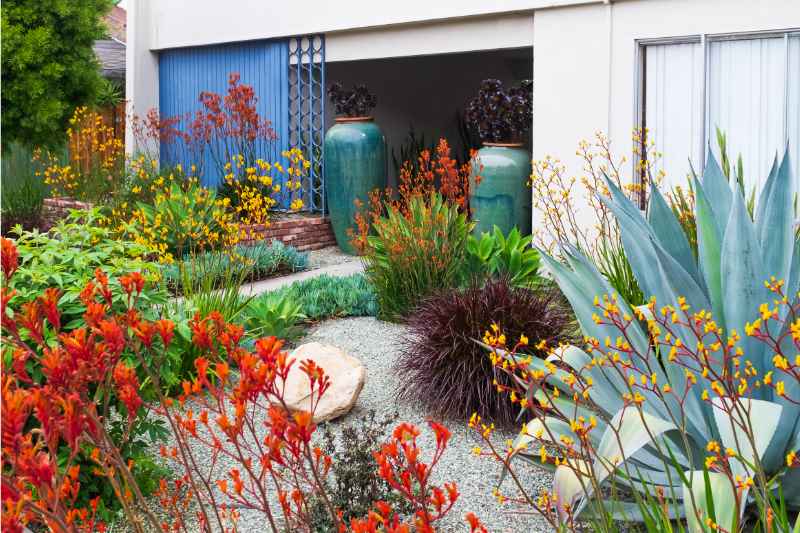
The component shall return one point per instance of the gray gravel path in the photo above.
(376, 344)
(328, 256)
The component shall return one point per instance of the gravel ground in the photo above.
(331, 255)
(376, 344)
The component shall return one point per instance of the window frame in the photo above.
(640, 83)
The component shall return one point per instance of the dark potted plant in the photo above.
(355, 158)
(502, 118)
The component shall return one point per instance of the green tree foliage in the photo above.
(49, 66)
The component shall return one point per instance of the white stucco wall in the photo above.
(197, 22)
(584, 78)
(141, 79)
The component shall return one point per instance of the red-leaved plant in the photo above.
(233, 412)
(225, 126)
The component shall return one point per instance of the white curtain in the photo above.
(746, 88)
(674, 107)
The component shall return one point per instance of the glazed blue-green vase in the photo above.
(355, 164)
(502, 198)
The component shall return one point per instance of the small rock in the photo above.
(346, 373)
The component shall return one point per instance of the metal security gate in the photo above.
(307, 110)
(288, 76)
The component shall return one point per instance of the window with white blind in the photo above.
(748, 86)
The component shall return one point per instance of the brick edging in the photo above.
(304, 232)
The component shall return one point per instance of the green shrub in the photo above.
(355, 484)
(264, 259)
(23, 191)
(185, 218)
(497, 256)
(415, 252)
(66, 258)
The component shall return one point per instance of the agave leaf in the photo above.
(635, 239)
(608, 386)
(774, 228)
(717, 187)
(669, 233)
(696, 498)
(640, 242)
(631, 512)
(764, 417)
(743, 279)
(766, 191)
(709, 240)
(790, 483)
(596, 285)
(628, 432)
(569, 487)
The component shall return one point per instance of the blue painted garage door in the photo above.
(186, 72)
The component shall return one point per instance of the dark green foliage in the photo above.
(266, 260)
(444, 369)
(49, 67)
(23, 192)
(410, 151)
(355, 484)
(327, 296)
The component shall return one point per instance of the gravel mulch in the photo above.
(328, 256)
(376, 345)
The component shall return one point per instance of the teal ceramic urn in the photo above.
(501, 197)
(355, 164)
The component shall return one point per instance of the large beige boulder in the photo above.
(346, 373)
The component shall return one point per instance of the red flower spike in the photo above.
(9, 257)
(49, 305)
(166, 330)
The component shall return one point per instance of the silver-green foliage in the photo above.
(736, 256)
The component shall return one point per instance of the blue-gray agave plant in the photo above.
(661, 442)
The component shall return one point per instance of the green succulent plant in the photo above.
(274, 314)
(736, 256)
